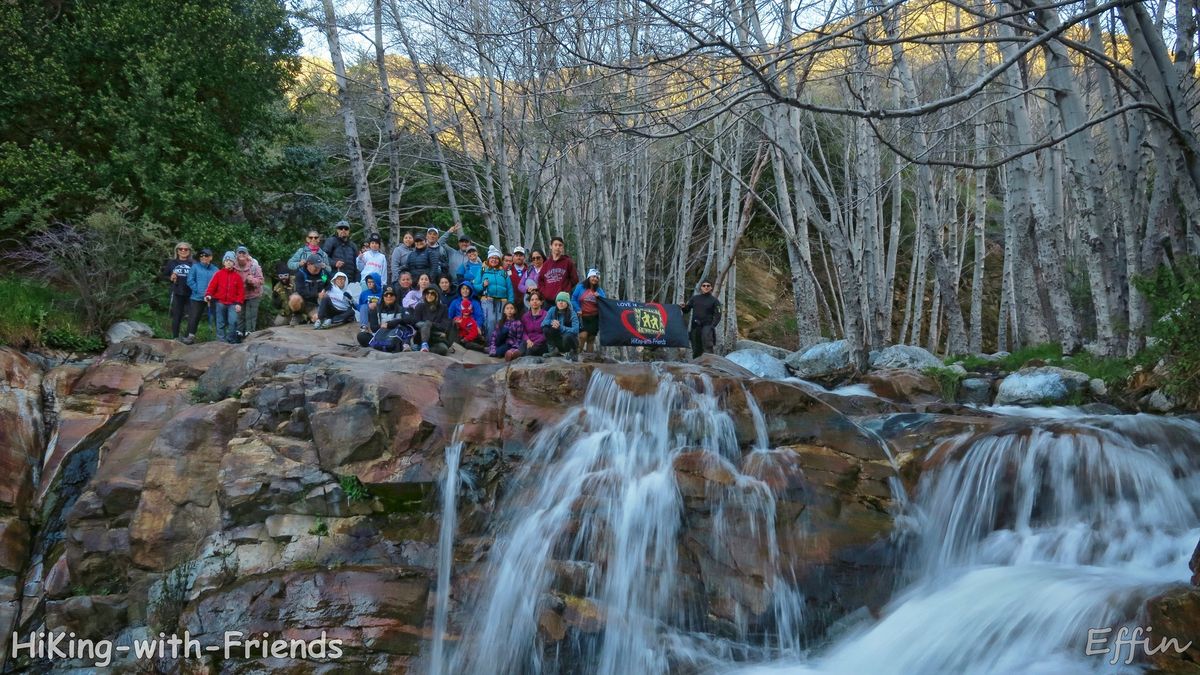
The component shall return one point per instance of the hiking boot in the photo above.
(552, 352)
(570, 356)
(424, 346)
(188, 340)
(294, 321)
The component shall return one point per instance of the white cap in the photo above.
(519, 249)
(592, 273)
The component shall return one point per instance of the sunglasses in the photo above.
(537, 257)
(387, 294)
(312, 236)
(705, 285)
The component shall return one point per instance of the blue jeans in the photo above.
(227, 323)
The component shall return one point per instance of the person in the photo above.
(584, 300)
(372, 292)
(311, 281)
(515, 272)
(456, 257)
(433, 239)
(509, 334)
(465, 292)
(252, 276)
(494, 289)
(310, 249)
(434, 328)
(558, 273)
(470, 266)
(417, 295)
(400, 256)
(228, 291)
(197, 280)
(534, 342)
(372, 261)
(529, 280)
(389, 327)
(405, 285)
(508, 262)
(467, 328)
(341, 251)
(706, 314)
(561, 327)
(448, 291)
(282, 288)
(423, 261)
(175, 272)
(337, 304)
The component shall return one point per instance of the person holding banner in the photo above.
(585, 300)
(706, 314)
(561, 328)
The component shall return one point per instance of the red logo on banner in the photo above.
(645, 323)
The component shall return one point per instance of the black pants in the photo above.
(179, 309)
(196, 309)
(703, 339)
(536, 350)
(326, 310)
(563, 342)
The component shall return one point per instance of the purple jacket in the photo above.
(508, 335)
(533, 326)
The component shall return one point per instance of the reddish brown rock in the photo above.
(1175, 615)
(903, 385)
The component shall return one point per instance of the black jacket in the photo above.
(435, 313)
(310, 287)
(180, 268)
(424, 261)
(344, 251)
(706, 311)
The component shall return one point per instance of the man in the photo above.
(706, 314)
(456, 258)
(515, 272)
(342, 251)
(373, 261)
(310, 284)
(508, 262)
(558, 273)
(310, 249)
(252, 276)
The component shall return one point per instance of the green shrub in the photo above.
(353, 488)
(948, 379)
(1174, 297)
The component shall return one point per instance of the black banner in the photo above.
(627, 323)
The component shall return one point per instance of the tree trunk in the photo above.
(358, 171)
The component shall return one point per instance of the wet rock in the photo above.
(776, 352)
(904, 356)
(1160, 401)
(1097, 388)
(903, 385)
(1176, 615)
(125, 330)
(975, 391)
(760, 363)
(1044, 385)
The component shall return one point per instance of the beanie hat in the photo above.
(229, 256)
(562, 297)
(493, 251)
(592, 273)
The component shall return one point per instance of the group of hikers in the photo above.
(426, 296)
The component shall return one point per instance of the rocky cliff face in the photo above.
(287, 486)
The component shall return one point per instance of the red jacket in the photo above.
(227, 287)
(556, 276)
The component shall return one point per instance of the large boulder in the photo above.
(819, 360)
(903, 385)
(904, 356)
(124, 330)
(975, 391)
(1045, 385)
(760, 363)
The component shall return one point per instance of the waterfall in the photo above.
(592, 532)
(445, 558)
(1027, 538)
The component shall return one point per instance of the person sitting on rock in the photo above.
(469, 333)
(509, 334)
(561, 327)
(337, 304)
(372, 290)
(311, 281)
(416, 295)
(466, 291)
(433, 323)
(533, 342)
(389, 330)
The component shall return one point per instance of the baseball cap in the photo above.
(243, 249)
(433, 230)
(519, 249)
(342, 225)
(374, 237)
(206, 251)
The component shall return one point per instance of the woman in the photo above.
(509, 334)
(494, 289)
(584, 299)
(310, 249)
(448, 292)
(228, 291)
(561, 328)
(530, 276)
(197, 280)
(533, 342)
(417, 295)
(470, 268)
(175, 271)
(337, 304)
(388, 330)
(400, 255)
(252, 275)
(433, 323)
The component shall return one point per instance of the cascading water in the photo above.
(1026, 539)
(594, 524)
(437, 658)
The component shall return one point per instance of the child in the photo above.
(229, 292)
(509, 334)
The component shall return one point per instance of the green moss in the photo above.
(353, 488)
(948, 379)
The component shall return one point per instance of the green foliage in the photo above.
(1174, 298)
(33, 315)
(948, 379)
(1014, 361)
(320, 529)
(72, 340)
(353, 488)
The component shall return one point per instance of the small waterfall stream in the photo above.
(445, 557)
(1019, 541)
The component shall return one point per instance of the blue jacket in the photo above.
(499, 285)
(578, 293)
(456, 306)
(365, 296)
(468, 272)
(198, 278)
(569, 323)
